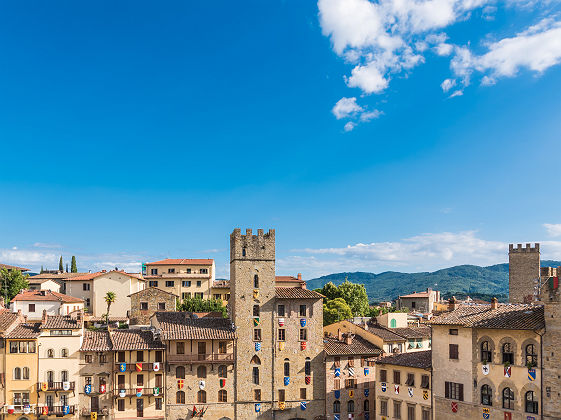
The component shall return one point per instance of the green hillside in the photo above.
(460, 280)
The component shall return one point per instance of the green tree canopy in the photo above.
(110, 297)
(73, 267)
(60, 265)
(12, 282)
(336, 310)
(352, 293)
(202, 305)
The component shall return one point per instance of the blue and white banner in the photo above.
(257, 407)
(257, 346)
(337, 372)
(286, 381)
(303, 405)
(302, 322)
(366, 392)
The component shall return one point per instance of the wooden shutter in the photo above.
(461, 392)
(446, 389)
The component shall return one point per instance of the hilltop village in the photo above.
(70, 351)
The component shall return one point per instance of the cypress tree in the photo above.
(73, 267)
(42, 270)
(60, 265)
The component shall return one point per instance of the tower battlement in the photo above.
(527, 248)
(252, 247)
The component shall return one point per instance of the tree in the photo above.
(67, 267)
(110, 297)
(73, 266)
(12, 282)
(336, 310)
(353, 294)
(42, 270)
(60, 265)
(202, 305)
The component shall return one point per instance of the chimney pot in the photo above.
(299, 276)
(452, 303)
(494, 303)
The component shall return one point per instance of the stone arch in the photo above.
(529, 387)
(492, 348)
(496, 397)
(523, 350)
(510, 384)
(514, 347)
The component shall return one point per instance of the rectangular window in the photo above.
(140, 379)
(350, 383)
(88, 358)
(23, 346)
(153, 283)
(204, 270)
(255, 310)
(337, 383)
(425, 414)
(303, 310)
(158, 403)
(171, 270)
(199, 295)
(30, 346)
(453, 331)
(396, 377)
(303, 334)
(383, 408)
(282, 336)
(303, 394)
(454, 351)
(454, 391)
(282, 395)
(88, 380)
(121, 357)
(143, 306)
(31, 307)
(199, 283)
(397, 409)
(425, 382)
(159, 381)
(121, 405)
(410, 379)
(222, 347)
(179, 347)
(217, 296)
(140, 356)
(13, 346)
(170, 283)
(121, 381)
(257, 394)
(154, 271)
(280, 310)
(383, 375)
(188, 271)
(410, 412)
(85, 287)
(337, 361)
(186, 295)
(256, 334)
(255, 375)
(351, 361)
(88, 303)
(161, 306)
(186, 283)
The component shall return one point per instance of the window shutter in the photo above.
(461, 392)
(446, 389)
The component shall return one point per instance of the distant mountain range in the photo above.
(461, 280)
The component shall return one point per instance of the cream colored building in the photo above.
(419, 301)
(33, 303)
(8, 321)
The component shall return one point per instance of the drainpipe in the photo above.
(273, 354)
(37, 404)
(431, 380)
(541, 375)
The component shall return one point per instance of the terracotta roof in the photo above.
(7, 318)
(152, 289)
(181, 326)
(53, 276)
(416, 295)
(96, 341)
(506, 316)
(221, 284)
(413, 332)
(134, 340)
(91, 276)
(385, 334)
(12, 267)
(416, 359)
(45, 295)
(24, 331)
(285, 279)
(61, 322)
(358, 346)
(182, 261)
(102, 319)
(297, 293)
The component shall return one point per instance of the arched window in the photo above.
(255, 360)
(531, 355)
(486, 395)
(508, 355)
(201, 396)
(351, 406)
(222, 396)
(201, 372)
(222, 371)
(64, 353)
(393, 323)
(256, 281)
(531, 403)
(17, 373)
(180, 397)
(64, 376)
(366, 405)
(308, 367)
(508, 399)
(255, 375)
(180, 372)
(255, 310)
(25, 373)
(243, 252)
(286, 367)
(336, 406)
(50, 353)
(486, 354)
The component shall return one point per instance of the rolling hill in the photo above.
(460, 280)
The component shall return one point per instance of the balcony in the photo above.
(100, 412)
(131, 392)
(55, 411)
(202, 358)
(131, 367)
(56, 386)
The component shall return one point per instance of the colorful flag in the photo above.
(180, 383)
(281, 322)
(257, 407)
(122, 367)
(156, 366)
(302, 322)
(308, 380)
(337, 372)
(139, 367)
(257, 346)
(286, 381)
(303, 405)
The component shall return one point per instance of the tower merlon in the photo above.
(527, 248)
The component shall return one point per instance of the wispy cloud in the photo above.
(553, 229)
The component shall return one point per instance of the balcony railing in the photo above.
(201, 358)
(55, 410)
(131, 392)
(56, 386)
(131, 367)
(100, 412)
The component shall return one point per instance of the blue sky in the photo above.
(372, 136)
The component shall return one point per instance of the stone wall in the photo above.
(523, 271)
(153, 297)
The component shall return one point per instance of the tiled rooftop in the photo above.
(417, 359)
(413, 332)
(182, 261)
(96, 341)
(358, 346)
(25, 331)
(297, 293)
(45, 295)
(181, 326)
(61, 322)
(134, 340)
(7, 318)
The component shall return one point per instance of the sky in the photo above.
(391, 135)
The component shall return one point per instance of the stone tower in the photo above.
(523, 272)
(252, 285)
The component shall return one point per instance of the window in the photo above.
(282, 334)
(425, 414)
(170, 283)
(336, 406)
(198, 295)
(508, 399)
(410, 412)
(88, 303)
(303, 310)
(204, 270)
(180, 372)
(508, 354)
(486, 395)
(243, 252)
(158, 357)
(286, 367)
(180, 397)
(256, 281)
(282, 396)
(64, 376)
(531, 403)
(217, 296)
(222, 396)
(61, 332)
(255, 375)
(336, 383)
(383, 375)
(303, 393)
(350, 383)
(303, 334)
(51, 353)
(337, 361)
(64, 353)
(257, 334)
(85, 287)
(121, 405)
(308, 367)
(280, 310)
(201, 397)
(88, 380)
(121, 356)
(186, 283)
(31, 346)
(31, 307)
(154, 271)
(159, 404)
(140, 356)
(397, 409)
(121, 381)
(351, 406)
(143, 306)
(255, 310)
(179, 347)
(410, 379)
(255, 360)
(486, 354)
(425, 382)
(351, 361)
(171, 270)
(531, 355)
(159, 380)
(50, 376)
(454, 391)
(453, 331)
(199, 283)
(153, 283)
(201, 372)
(393, 323)
(383, 408)
(257, 394)
(140, 379)
(222, 347)
(102, 358)
(186, 295)
(366, 405)
(396, 377)
(222, 371)
(453, 352)
(188, 271)
(161, 306)
(17, 373)
(88, 358)
(26, 373)
(23, 346)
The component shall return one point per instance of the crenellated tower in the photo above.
(523, 272)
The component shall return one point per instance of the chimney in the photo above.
(452, 303)
(494, 303)
(339, 335)
(44, 317)
(348, 339)
(299, 276)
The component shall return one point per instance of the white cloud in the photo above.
(25, 257)
(369, 78)
(370, 115)
(444, 49)
(448, 84)
(458, 92)
(488, 81)
(553, 229)
(345, 107)
(349, 126)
